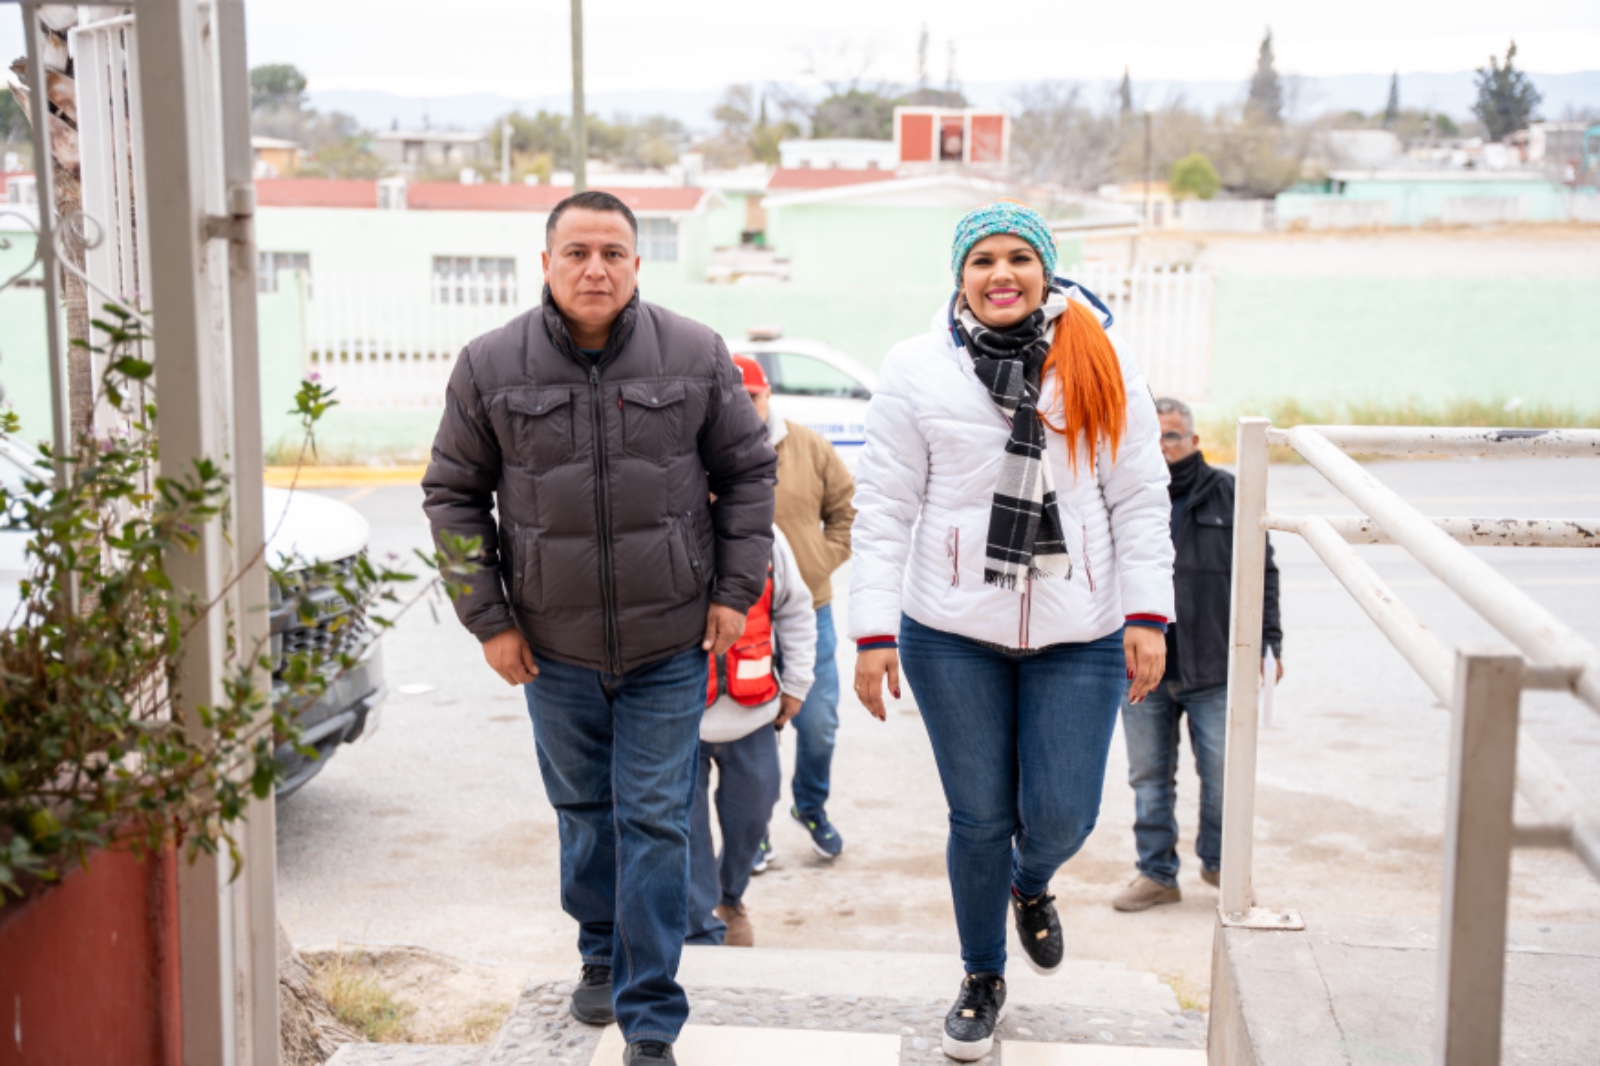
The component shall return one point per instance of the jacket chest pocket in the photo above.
(652, 419)
(542, 427)
(1213, 542)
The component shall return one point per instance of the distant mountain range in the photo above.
(1452, 94)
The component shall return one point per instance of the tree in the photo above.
(1391, 110)
(1265, 102)
(1125, 96)
(1506, 97)
(13, 123)
(1057, 139)
(277, 86)
(857, 113)
(1193, 175)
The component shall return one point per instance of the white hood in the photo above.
(307, 528)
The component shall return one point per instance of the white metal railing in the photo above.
(1490, 758)
(1165, 315)
(390, 343)
(1225, 216)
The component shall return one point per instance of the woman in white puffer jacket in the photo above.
(1012, 548)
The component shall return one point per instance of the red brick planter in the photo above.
(89, 968)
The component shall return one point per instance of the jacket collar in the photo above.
(777, 426)
(555, 326)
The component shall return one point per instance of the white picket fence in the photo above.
(390, 345)
(1583, 208)
(1164, 317)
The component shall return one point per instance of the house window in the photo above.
(268, 265)
(474, 279)
(658, 240)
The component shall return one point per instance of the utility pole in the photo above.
(580, 122)
(1147, 116)
(505, 153)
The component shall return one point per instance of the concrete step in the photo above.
(408, 1055)
(885, 1008)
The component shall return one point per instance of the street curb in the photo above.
(341, 477)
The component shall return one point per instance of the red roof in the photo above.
(451, 196)
(4, 178)
(316, 192)
(823, 177)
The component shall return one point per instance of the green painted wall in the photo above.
(1414, 203)
(725, 223)
(829, 245)
(1394, 340)
(24, 360)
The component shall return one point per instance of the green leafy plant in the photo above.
(93, 753)
(1193, 175)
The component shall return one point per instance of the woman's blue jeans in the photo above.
(619, 758)
(1021, 745)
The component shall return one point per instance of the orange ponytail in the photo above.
(1089, 381)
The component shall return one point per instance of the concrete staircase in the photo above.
(775, 1007)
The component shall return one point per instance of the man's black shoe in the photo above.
(1039, 929)
(969, 1027)
(591, 1000)
(649, 1051)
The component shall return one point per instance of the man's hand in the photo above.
(788, 707)
(1264, 669)
(872, 667)
(724, 625)
(1146, 649)
(510, 657)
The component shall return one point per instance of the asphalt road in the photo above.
(434, 831)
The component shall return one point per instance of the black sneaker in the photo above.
(591, 1000)
(649, 1051)
(825, 839)
(969, 1027)
(1039, 929)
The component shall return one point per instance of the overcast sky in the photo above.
(519, 48)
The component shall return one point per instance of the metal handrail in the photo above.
(1491, 759)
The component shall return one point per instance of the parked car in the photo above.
(305, 530)
(816, 385)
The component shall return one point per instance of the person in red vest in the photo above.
(746, 702)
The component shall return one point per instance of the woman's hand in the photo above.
(871, 669)
(1146, 649)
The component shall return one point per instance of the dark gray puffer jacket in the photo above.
(607, 551)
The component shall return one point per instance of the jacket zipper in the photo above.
(602, 497)
(1088, 571)
(1025, 611)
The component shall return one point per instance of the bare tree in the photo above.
(1058, 139)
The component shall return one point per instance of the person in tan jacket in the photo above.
(815, 512)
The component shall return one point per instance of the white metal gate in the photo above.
(1165, 316)
(166, 226)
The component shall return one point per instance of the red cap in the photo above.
(755, 379)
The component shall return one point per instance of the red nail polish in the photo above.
(1130, 675)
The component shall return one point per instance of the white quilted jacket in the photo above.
(923, 490)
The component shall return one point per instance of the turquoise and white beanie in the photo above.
(1004, 216)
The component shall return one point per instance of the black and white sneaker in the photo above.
(649, 1051)
(764, 856)
(1039, 929)
(591, 1000)
(969, 1027)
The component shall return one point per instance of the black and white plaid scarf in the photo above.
(1025, 534)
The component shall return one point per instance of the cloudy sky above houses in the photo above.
(519, 48)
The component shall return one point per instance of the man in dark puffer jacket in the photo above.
(596, 427)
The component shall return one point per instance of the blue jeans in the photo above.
(1021, 745)
(748, 783)
(817, 722)
(1152, 731)
(617, 754)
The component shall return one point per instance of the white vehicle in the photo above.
(815, 385)
(305, 530)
